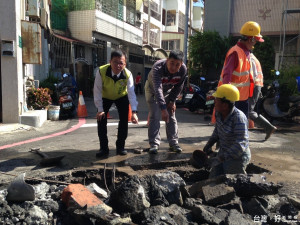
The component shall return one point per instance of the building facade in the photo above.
(52, 37)
(24, 53)
(279, 20)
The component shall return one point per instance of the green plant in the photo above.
(49, 83)
(38, 98)
(207, 51)
(287, 80)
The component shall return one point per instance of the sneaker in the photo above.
(153, 149)
(175, 148)
(102, 153)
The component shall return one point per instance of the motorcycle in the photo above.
(269, 104)
(202, 98)
(65, 96)
(186, 95)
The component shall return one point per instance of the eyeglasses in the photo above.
(118, 63)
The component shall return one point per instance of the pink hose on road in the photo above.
(79, 124)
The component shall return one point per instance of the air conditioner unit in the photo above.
(44, 18)
(33, 8)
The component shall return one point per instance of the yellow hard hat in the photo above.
(228, 92)
(251, 29)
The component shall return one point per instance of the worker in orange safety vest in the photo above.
(237, 68)
(256, 70)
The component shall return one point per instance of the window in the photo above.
(170, 44)
(171, 18)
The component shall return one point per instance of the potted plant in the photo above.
(38, 98)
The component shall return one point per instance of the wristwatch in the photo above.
(134, 111)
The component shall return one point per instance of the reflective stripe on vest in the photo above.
(257, 73)
(110, 89)
(241, 77)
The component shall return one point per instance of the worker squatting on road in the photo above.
(231, 131)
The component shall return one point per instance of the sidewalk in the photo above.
(10, 127)
(58, 125)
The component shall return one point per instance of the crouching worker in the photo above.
(231, 130)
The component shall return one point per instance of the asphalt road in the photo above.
(77, 140)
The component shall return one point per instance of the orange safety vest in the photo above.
(241, 76)
(258, 75)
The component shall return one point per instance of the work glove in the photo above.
(207, 148)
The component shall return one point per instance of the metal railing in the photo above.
(114, 8)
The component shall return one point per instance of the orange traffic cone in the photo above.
(251, 124)
(81, 110)
(129, 113)
(108, 116)
(213, 118)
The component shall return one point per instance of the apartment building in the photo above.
(164, 26)
(279, 20)
(147, 30)
(43, 37)
(24, 51)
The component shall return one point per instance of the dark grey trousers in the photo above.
(154, 121)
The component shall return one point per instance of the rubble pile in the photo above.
(163, 198)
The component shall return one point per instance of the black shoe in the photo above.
(121, 151)
(102, 153)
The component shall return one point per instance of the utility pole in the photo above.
(149, 16)
(186, 30)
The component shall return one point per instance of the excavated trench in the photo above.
(110, 179)
(112, 174)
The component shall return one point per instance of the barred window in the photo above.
(181, 21)
(170, 44)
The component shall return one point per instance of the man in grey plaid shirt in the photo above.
(165, 82)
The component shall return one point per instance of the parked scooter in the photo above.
(269, 104)
(65, 96)
(202, 98)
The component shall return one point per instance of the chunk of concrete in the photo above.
(254, 207)
(96, 190)
(218, 194)
(251, 185)
(295, 201)
(206, 214)
(196, 189)
(236, 218)
(234, 204)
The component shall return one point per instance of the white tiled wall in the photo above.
(83, 23)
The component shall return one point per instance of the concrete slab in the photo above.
(34, 118)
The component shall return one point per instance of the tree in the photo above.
(207, 52)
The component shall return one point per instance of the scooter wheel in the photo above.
(192, 105)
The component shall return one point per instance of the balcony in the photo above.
(100, 17)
